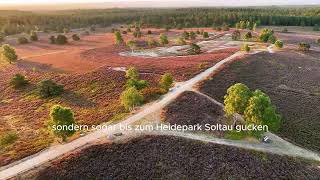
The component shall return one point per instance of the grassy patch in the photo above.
(8, 138)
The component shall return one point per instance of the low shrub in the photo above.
(180, 41)
(205, 35)
(75, 37)
(245, 48)
(8, 138)
(49, 88)
(61, 39)
(278, 44)
(166, 81)
(303, 46)
(33, 36)
(194, 49)
(22, 40)
(52, 39)
(18, 81)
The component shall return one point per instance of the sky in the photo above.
(211, 2)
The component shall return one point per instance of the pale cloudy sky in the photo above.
(209, 2)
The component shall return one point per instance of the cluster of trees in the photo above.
(13, 22)
(246, 25)
(255, 107)
(46, 88)
(138, 91)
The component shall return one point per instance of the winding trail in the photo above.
(282, 147)
(54, 152)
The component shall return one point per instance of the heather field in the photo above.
(191, 108)
(123, 68)
(154, 157)
(92, 73)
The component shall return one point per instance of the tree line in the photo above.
(13, 22)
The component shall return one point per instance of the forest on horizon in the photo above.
(13, 22)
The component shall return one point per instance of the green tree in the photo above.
(118, 38)
(18, 81)
(75, 37)
(33, 36)
(265, 35)
(243, 25)
(261, 111)
(8, 53)
(205, 35)
(194, 49)
(236, 35)
(166, 81)
(63, 117)
(132, 73)
(245, 47)
(278, 44)
(61, 39)
(131, 98)
(164, 39)
(49, 88)
(236, 99)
